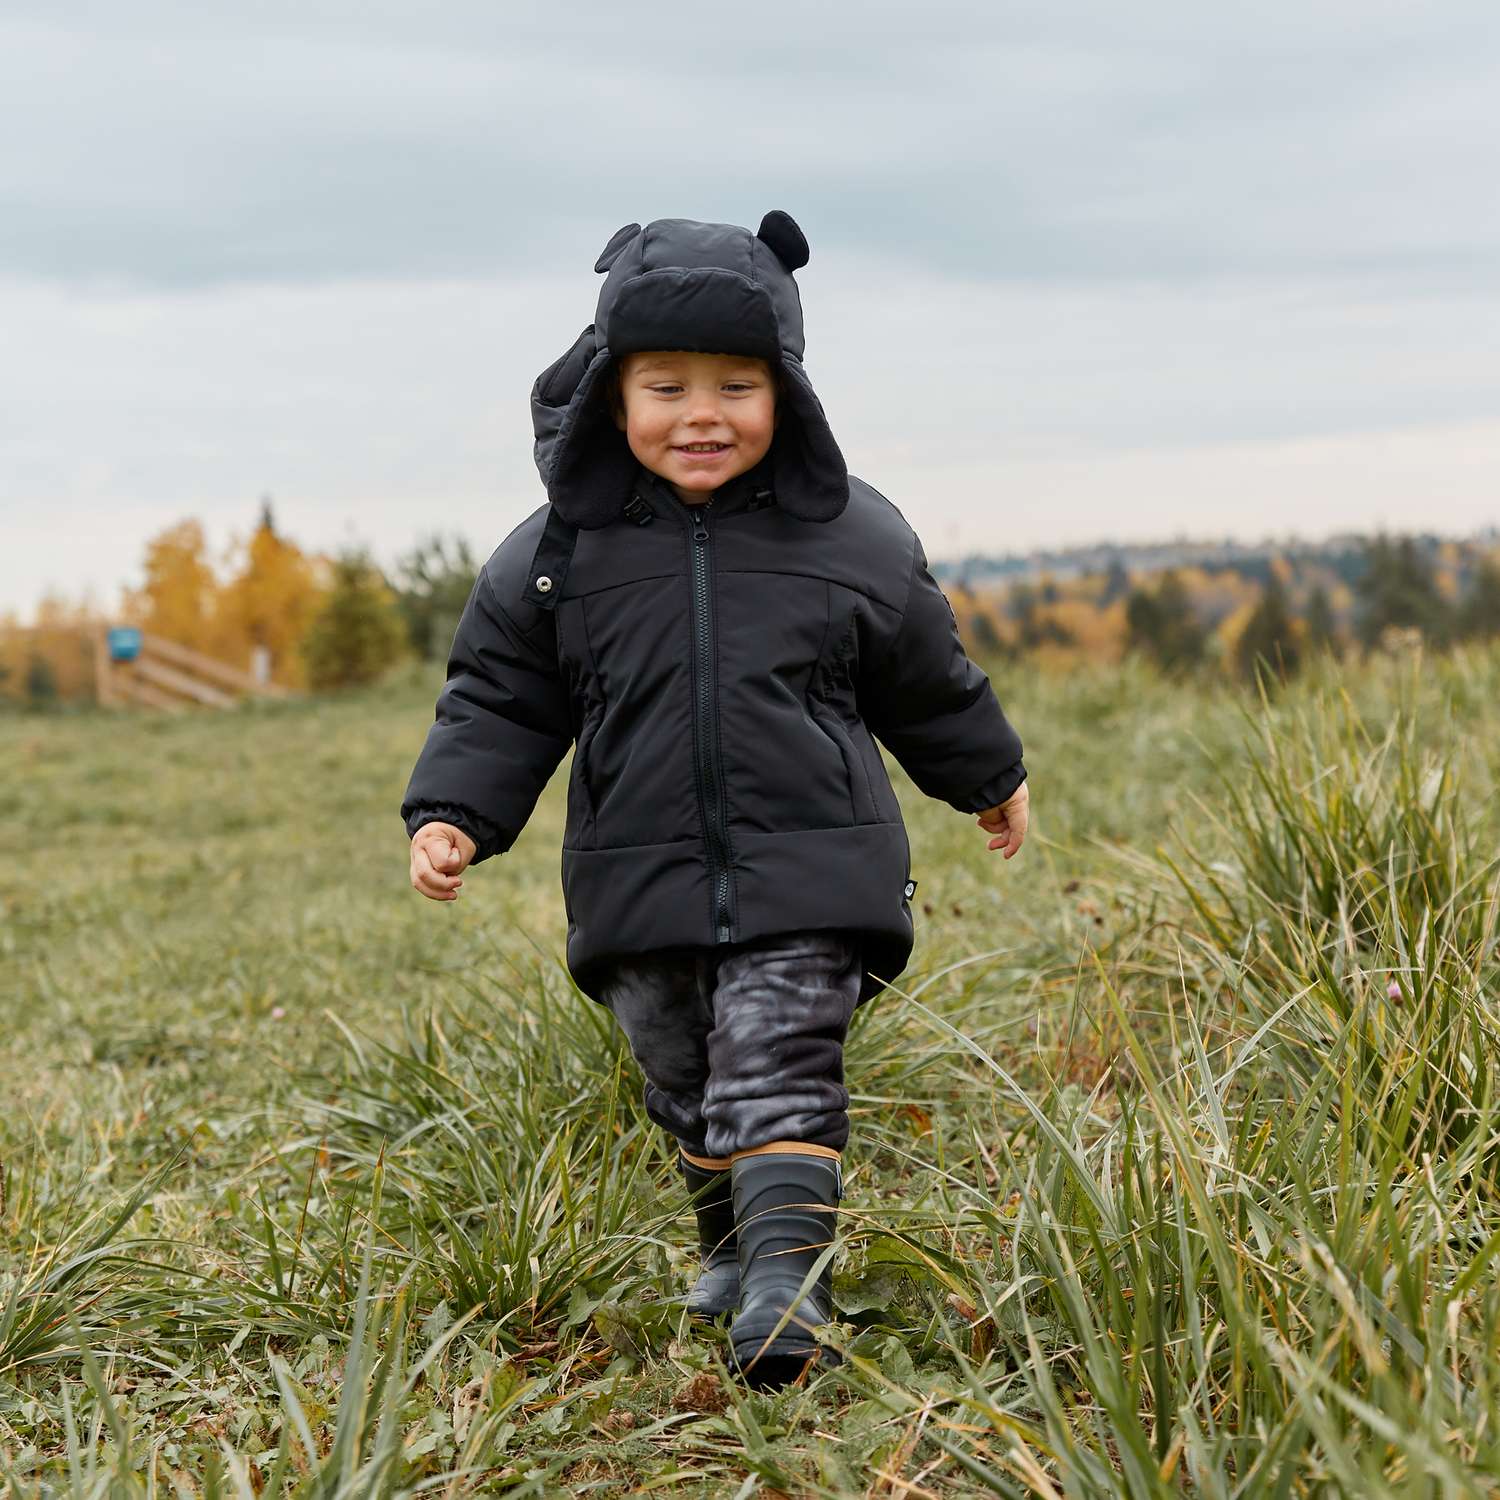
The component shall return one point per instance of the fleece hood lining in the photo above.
(682, 284)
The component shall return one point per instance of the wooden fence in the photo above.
(165, 675)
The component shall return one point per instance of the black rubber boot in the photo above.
(717, 1289)
(785, 1206)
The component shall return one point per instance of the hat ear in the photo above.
(617, 242)
(779, 230)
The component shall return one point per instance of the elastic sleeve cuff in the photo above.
(1000, 788)
(480, 829)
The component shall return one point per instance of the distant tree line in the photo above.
(335, 622)
(1396, 591)
(320, 622)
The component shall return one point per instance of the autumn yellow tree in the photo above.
(179, 597)
(1095, 632)
(51, 660)
(12, 654)
(274, 592)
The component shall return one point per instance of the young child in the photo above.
(718, 617)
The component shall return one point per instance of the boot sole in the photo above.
(779, 1366)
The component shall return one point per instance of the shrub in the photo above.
(358, 633)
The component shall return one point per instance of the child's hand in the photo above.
(1008, 821)
(439, 852)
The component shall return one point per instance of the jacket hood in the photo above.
(682, 284)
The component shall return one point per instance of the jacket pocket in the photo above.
(883, 804)
(862, 804)
(583, 820)
(585, 766)
(832, 707)
(587, 704)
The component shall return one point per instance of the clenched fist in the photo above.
(439, 854)
(1008, 821)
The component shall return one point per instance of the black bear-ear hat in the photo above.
(682, 284)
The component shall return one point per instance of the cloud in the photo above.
(170, 145)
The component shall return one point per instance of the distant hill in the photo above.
(1342, 555)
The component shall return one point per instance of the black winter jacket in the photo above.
(719, 669)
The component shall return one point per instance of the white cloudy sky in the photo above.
(1079, 269)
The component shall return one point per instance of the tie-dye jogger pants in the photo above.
(743, 1043)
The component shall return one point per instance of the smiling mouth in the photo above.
(702, 447)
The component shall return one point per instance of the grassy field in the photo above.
(1173, 1166)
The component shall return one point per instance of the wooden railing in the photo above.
(169, 676)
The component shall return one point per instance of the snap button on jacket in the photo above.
(722, 672)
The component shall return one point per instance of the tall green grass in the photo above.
(1172, 1168)
(1269, 1268)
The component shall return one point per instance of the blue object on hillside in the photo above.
(124, 643)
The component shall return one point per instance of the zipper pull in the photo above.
(700, 529)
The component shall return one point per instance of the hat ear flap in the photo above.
(592, 465)
(810, 476)
(617, 242)
(779, 230)
(552, 393)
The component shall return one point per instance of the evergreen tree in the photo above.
(1398, 588)
(1479, 614)
(1161, 623)
(434, 580)
(1116, 583)
(1020, 605)
(983, 629)
(1268, 644)
(1143, 622)
(358, 633)
(1034, 629)
(41, 683)
(1317, 622)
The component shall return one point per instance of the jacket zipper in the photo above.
(709, 782)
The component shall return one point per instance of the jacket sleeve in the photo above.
(503, 723)
(935, 710)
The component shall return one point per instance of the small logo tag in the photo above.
(911, 889)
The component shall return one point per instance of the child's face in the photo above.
(673, 400)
